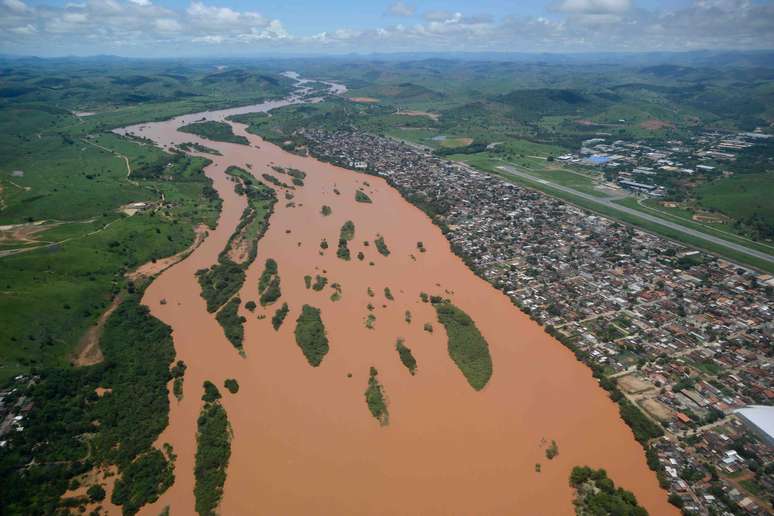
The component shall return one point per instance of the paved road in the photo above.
(646, 216)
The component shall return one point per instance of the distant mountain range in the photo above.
(714, 58)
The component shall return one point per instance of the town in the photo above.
(682, 336)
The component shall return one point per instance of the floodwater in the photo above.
(304, 441)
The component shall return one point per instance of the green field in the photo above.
(740, 196)
(69, 172)
(70, 178)
(684, 217)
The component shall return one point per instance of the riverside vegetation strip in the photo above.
(122, 425)
(596, 494)
(213, 451)
(81, 175)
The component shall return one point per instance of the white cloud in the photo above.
(75, 18)
(401, 8)
(224, 15)
(594, 6)
(167, 25)
(437, 16)
(26, 30)
(143, 27)
(16, 6)
(208, 39)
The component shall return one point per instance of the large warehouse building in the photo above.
(760, 419)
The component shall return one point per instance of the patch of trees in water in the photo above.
(254, 220)
(71, 430)
(223, 280)
(336, 296)
(269, 283)
(276, 182)
(213, 451)
(297, 176)
(597, 494)
(361, 196)
(215, 131)
(381, 246)
(346, 234)
(552, 450)
(231, 385)
(467, 347)
(188, 146)
(347, 231)
(177, 374)
(220, 282)
(375, 399)
(406, 357)
(279, 316)
(232, 323)
(319, 283)
(142, 481)
(310, 335)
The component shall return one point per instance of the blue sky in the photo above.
(243, 28)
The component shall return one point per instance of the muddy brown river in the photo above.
(304, 441)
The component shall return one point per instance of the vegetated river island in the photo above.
(303, 438)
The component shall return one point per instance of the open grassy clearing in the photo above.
(740, 196)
